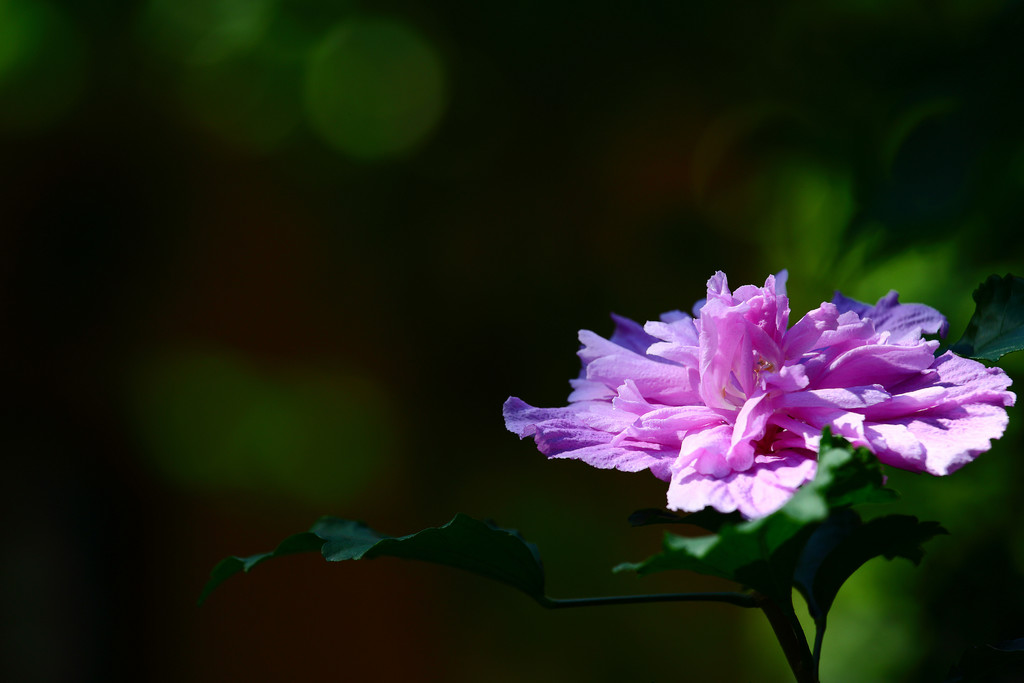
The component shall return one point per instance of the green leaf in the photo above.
(843, 543)
(990, 663)
(763, 553)
(997, 326)
(465, 543)
(708, 519)
(226, 568)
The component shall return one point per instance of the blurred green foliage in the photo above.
(218, 422)
(374, 88)
(42, 64)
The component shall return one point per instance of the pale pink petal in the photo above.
(750, 426)
(705, 451)
(938, 441)
(755, 493)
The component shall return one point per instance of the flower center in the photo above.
(763, 365)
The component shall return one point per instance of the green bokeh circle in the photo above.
(374, 88)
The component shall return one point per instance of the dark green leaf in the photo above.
(997, 326)
(843, 543)
(464, 542)
(649, 516)
(344, 539)
(299, 543)
(763, 553)
(1001, 663)
(708, 518)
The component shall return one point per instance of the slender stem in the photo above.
(738, 599)
(819, 634)
(785, 624)
(792, 639)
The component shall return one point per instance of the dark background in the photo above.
(270, 259)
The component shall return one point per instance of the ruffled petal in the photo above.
(750, 426)
(705, 451)
(963, 380)
(846, 398)
(668, 425)
(630, 334)
(905, 322)
(756, 492)
(881, 364)
(938, 441)
(611, 364)
(586, 432)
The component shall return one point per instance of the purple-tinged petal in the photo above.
(804, 425)
(907, 403)
(788, 379)
(876, 364)
(658, 380)
(806, 333)
(673, 316)
(676, 328)
(625, 458)
(847, 398)
(677, 340)
(628, 398)
(571, 433)
(828, 331)
(556, 430)
(726, 360)
(630, 335)
(589, 390)
(894, 444)
(718, 287)
(965, 381)
(781, 278)
(905, 322)
(686, 356)
(667, 425)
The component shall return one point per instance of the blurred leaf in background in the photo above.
(219, 422)
(43, 65)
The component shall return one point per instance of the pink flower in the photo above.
(729, 406)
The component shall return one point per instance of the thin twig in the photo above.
(819, 635)
(738, 599)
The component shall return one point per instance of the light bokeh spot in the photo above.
(375, 88)
(42, 64)
(206, 31)
(248, 102)
(217, 422)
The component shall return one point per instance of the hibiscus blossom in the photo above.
(729, 406)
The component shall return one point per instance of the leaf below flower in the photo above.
(763, 553)
(464, 543)
(843, 543)
(998, 663)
